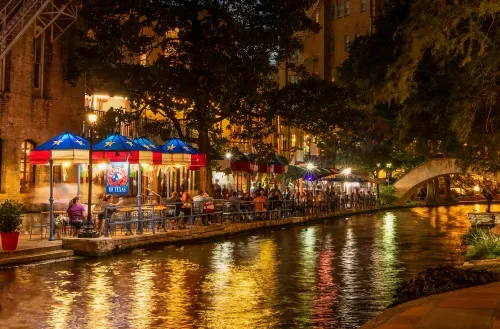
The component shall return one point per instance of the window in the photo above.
(292, 79)
(332, 45)
(347, 6)
(346, 43)
(339, 8)
(363, 5)
(38, 55)
(316, 17)
(27, 172)
(332, 12)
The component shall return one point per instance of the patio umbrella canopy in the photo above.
(62, 148)
(277, 166)
(260, 167)
(198, 159)
(118, 148)
(153, 147)
(176, 152)
(315, 174)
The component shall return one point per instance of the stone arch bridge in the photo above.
(417, 177)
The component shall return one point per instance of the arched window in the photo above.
(27, 172)
(38, 55)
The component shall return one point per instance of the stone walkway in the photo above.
(35, 243)
(472, 308)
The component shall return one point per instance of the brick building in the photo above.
(36, 103)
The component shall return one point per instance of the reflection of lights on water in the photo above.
(100, 291)
(323, 304)
(143, 290)
(389, 224)
(307, 281)
(243, 295)
(63, 299)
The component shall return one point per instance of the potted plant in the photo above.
(10, 223)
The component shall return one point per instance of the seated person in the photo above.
(77, 214)
(107, 210)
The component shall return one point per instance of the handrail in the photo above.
(171, 215)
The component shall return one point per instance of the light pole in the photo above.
(388, 166)
(88, 229)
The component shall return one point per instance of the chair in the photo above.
(37, 223)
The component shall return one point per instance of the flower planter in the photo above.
(9, 240)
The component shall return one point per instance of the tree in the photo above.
(447, 68)
(432, 74)
(203, 63)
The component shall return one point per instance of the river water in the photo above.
(337, 274)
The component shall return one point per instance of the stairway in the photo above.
(9, 258)
(18, 16)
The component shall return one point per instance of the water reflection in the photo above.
(241, 295)
(334, 275)
(385, 269)
(99, 308)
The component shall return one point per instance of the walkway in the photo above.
(472, 308)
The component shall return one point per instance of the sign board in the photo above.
(117, 178)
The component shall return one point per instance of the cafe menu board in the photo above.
(117, 178)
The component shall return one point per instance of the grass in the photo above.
(482, 244)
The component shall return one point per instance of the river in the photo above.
(337, 274)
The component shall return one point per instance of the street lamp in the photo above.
(88, 230)
(346, 171)
(228, 155)
(388, 166)
(310, 166)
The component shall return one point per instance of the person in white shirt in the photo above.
(198, 205)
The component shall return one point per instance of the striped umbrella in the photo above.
(60, 149)
(118, 148)
(176, 152)
(153, 147)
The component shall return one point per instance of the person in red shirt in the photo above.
(77, 213)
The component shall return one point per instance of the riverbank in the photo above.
(107, 246)
(477, 307)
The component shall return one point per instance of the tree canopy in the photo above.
(196, 64)
(433, 72)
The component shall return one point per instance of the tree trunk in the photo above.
(205, 172)
(448, 198)
(431, 198)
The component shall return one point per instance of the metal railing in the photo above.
(177, 216)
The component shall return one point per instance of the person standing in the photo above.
(217, 190)
(489, 197)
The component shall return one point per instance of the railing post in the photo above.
(153, 219)
(106, 223)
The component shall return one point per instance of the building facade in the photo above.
(36, 102)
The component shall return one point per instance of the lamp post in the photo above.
(378, 188)
(88, 229)
(388, 166)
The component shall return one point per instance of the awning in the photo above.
(118, 148)
(65, 147)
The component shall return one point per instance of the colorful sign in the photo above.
(117, 178)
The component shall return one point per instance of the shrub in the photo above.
(388, 194)
(441, 279)
(483, 245)
(10, 216)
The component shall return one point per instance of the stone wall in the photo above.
(27, 113)
(484, 218)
